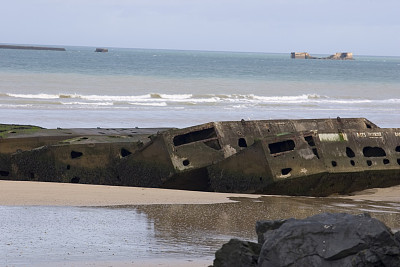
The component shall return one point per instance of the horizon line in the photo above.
(193, 50)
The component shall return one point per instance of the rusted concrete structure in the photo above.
(300, 55)
(295, 157)
(342, 56)
(67, 155)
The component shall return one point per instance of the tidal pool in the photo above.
(37, 235)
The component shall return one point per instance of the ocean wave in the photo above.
(161, 104)
(393, 100)
(90, 103)
(15, 105)
(67, 96)
(161, 100)
(34, 96)
(172, 97)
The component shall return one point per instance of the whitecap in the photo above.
(36, 96)
(90, 103)
(161, 104)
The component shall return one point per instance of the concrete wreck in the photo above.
(336, 56)
(315, 157)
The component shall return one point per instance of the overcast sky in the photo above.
(364, 27)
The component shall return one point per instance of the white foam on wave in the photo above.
(153, 99)
(161, 104)
(287, 99)
(34, 96)
(160, 100)
(341, 101)
(172, 96)
(90, 103)
(114, 98)
(392, 100)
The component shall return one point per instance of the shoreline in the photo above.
(387, 194)
(167, 262)
(28, 193)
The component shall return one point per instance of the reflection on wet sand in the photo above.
(126, 234)
(208, 226)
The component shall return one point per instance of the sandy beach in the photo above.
(20, 193)
(17, 193)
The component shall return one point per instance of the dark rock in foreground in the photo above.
(322, 240)
(237, 253)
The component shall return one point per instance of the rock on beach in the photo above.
(327, 239)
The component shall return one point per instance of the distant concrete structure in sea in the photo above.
(103, 50)
(24, 47)
(336, 56)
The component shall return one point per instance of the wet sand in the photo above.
(163, 227)
(141, 263)
(26, 193)
(390, 194)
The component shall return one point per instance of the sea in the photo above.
(123, 88)
(169, 88)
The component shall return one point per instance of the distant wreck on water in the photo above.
(101, 50)
(336, 56)
(315, 157)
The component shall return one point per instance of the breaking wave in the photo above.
(162, 100)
